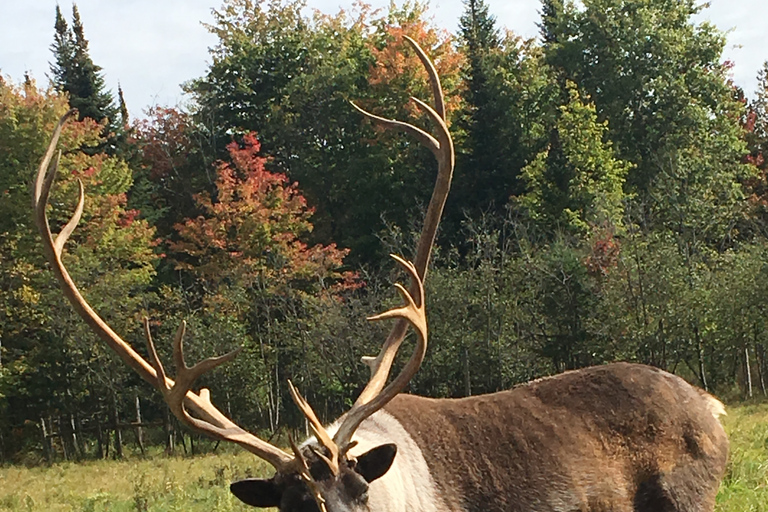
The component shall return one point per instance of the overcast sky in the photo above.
(152, 46)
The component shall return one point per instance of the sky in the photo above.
(151, 47)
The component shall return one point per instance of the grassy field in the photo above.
(200, 484)
(745, 487)
(189, 484)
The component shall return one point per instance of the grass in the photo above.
(745, 487)
(189, 484)
(198, 484)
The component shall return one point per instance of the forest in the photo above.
(609, 203)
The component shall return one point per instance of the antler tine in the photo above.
(210, 420)
(305, 475)
(442, 148)
(177, 394)
(434, 78)
(320, 433)
(413, 313)
(428, 140)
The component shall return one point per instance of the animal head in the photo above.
(320, 477)
(346, 491)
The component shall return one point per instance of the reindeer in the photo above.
(621, 437)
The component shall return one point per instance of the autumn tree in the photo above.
(755, 125)
(291, 77)
(247, 250)
(52, 362)
(252, 230)
(172, 165)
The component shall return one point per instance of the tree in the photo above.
(653, 73)
(487, 172)
(50, 358)
(756, 129)
(261, 280)
(576, 184)
(75, 73)
(172, 167)
(291, 78)
(251, 230)
(63, 49)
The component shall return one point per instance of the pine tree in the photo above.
(124, 116)
(551, 15)
(478, 27)
(75, 73)
(63, 51)
(757, 121)
(487, 171)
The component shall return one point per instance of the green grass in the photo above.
(200, 484)
(745, 487)
(189, 484)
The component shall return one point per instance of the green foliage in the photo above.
(608, 204)
(52, 362)
(507, 104)
(577, 182)
(290, 78)
(653, 73)
(74, 73)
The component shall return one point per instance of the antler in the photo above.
(442, 148)
(205, 417)
(209, 420)
(414, 314)
(377, 393)
(320, 433)
(372, 397)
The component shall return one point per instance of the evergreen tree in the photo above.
(125, 118)
(551, 15)
(478, 27)
(756, 122)
(489, 161)
(63, 52)
(75, 73)
(575, 185)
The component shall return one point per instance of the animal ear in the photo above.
(374, 463)
(257, 492)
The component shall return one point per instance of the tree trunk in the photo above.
(46, 441)
(467, 377)
(759, 359)
(78, 454)
(62, 438)
(749, 372)
(118, 430)
(700, 352)
(183, 442)
(169, 444)
(83, 445)
(139, 430)
(100, 439)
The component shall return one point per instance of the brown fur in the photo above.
(620, 437)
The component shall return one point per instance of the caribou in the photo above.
(620, 437)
